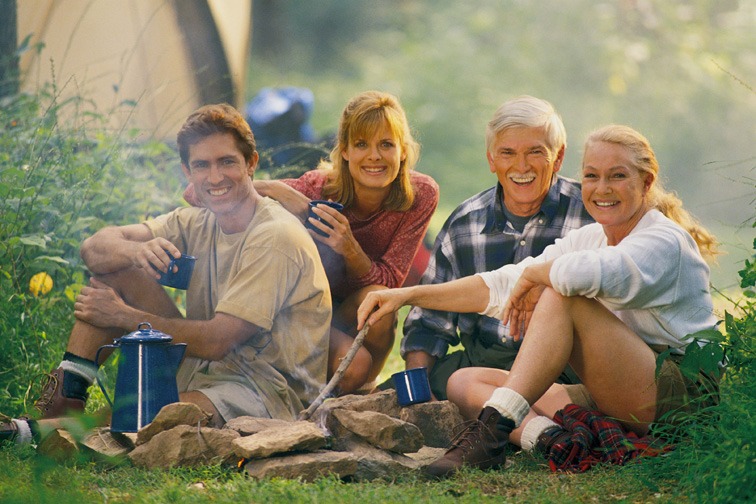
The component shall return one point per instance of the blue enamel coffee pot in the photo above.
(146, 379)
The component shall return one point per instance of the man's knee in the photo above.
(140, 290)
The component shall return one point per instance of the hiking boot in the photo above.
(8, 428)
(481, 445)
(53, 402)
(551, 437)
(19, 430)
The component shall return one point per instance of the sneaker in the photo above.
(52, 403)
(551, 437)
(481, 445)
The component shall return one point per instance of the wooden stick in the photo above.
(336, 378)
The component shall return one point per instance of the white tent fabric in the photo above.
(115, 52)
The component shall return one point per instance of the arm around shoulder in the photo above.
(291, 199)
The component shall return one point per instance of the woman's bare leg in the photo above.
(377, 345)
(615, 365)
(470, 388)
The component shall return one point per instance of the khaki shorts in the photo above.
(675, 393)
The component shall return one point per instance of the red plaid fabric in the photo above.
(595, 438)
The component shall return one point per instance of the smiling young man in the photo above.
(529, 208)
(258, 307)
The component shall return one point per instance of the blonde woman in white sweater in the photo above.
(606, 299)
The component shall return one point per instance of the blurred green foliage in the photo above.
(63, 175)
(676, 70)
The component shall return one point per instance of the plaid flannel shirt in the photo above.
(475, 238)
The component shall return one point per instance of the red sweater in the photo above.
(390, 239)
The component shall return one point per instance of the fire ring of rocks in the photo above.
(355, 437)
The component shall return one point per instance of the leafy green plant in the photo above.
(61, 178)
(716, 458)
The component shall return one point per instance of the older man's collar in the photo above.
(498, 220)
(550, 205)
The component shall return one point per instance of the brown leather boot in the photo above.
(52, 403)
(8, 428)
(481, 445)
(551, 437)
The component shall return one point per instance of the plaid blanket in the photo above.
(595, 438)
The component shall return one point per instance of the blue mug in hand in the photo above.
(313, 203)
(181, 277)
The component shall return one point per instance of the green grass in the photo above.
(715, 463)
(27, 477)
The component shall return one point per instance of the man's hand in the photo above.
(154, 256)
(101, 306)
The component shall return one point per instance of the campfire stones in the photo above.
(186, 445)
(326, 445)
(292, 437)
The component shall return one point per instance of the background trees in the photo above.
(680, 71)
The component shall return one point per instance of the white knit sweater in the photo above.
(654, 280)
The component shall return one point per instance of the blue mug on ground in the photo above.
(181, 277)
(412, 386)
(313, 203)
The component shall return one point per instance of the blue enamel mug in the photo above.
(412, 386)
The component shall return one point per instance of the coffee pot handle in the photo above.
(97, 376)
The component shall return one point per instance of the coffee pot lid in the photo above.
(146, 334)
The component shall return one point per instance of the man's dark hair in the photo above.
(211, 119)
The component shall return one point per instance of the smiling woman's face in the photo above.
(613, 189)
(374, 162)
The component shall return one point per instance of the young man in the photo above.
(258, 308)
(529, 208)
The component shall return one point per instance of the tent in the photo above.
(143, 63)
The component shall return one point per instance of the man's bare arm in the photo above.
(101, 306)
(116, 248)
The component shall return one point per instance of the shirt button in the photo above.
(522, 242)
(540, 221)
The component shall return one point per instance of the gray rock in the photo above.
(170, 416)
(304, 466)
(437, 420)
(186, 446)
(382, 402)
(106, 445)
(374, 463)
(59, 445)
(426, 455)
(247, 425)
(381, 430)
(292, 437)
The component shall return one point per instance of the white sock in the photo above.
(89, 373)
(533, 429)
(24, 435)
(509, 403)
